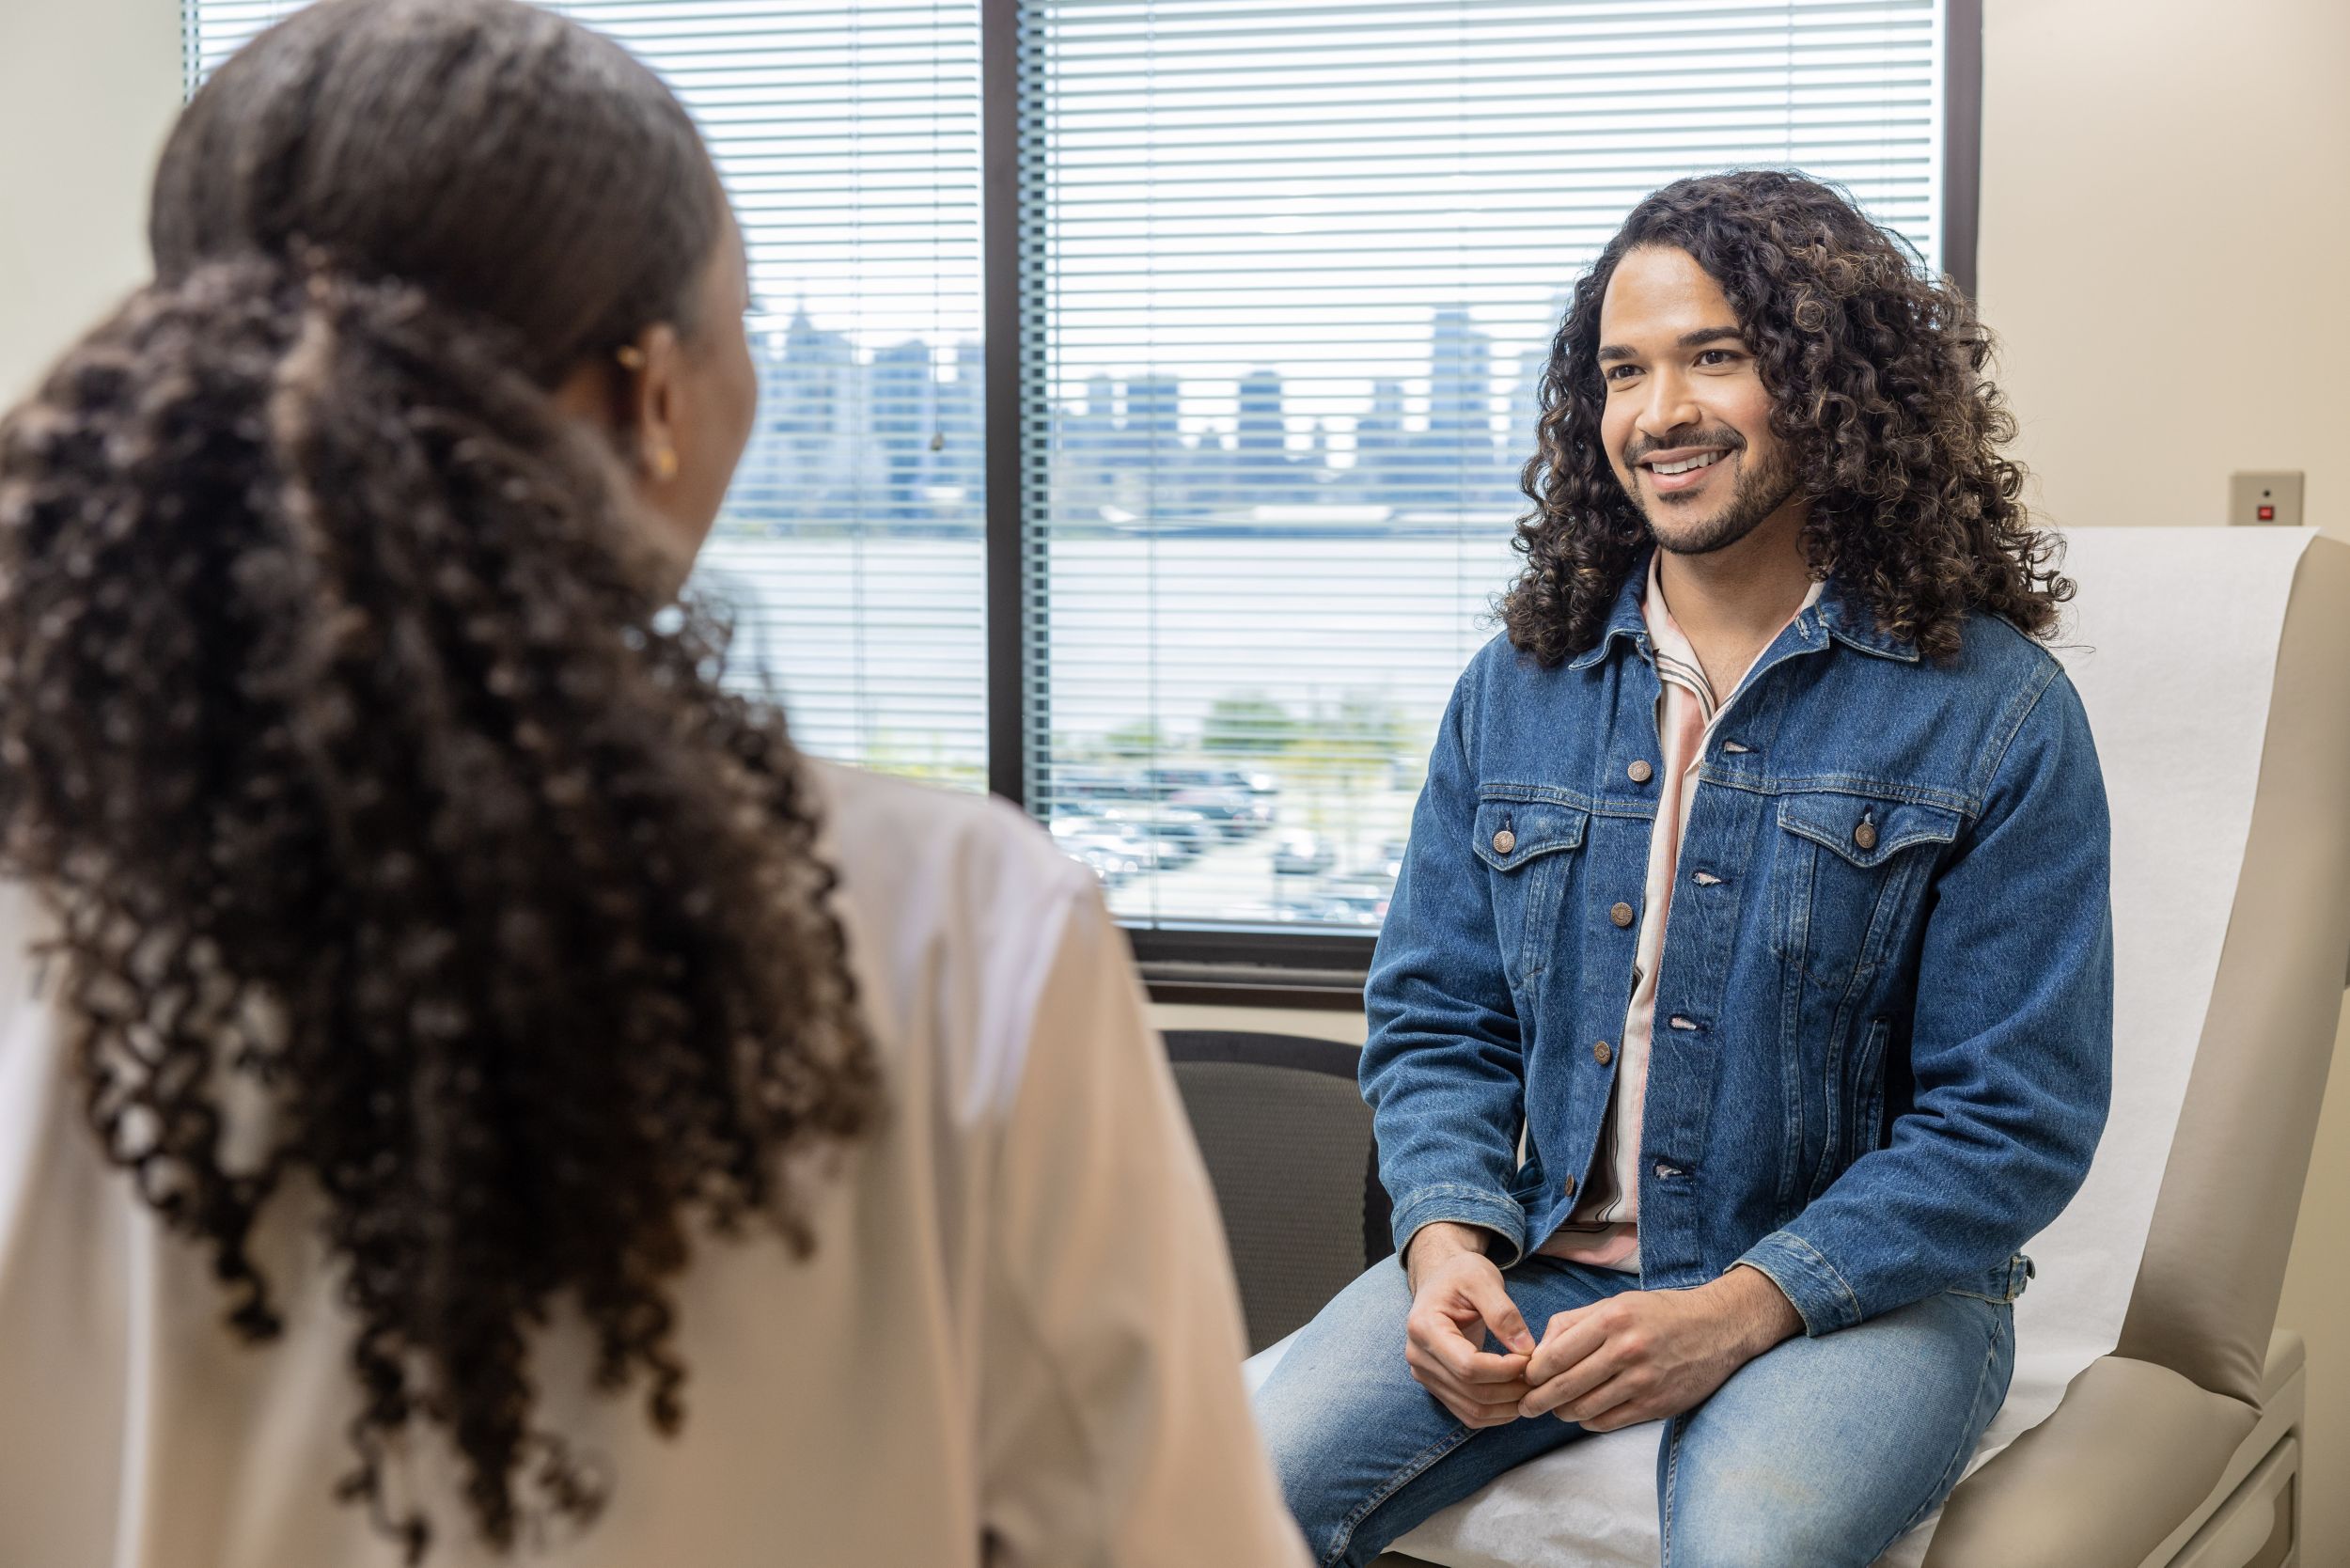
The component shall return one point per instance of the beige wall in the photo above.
(2162, 232)
(2163, 238)
(88, 91)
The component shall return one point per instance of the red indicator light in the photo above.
(2269, 514)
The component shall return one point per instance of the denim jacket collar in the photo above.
(1625, 619)
(1849, 621)
(1837, 614)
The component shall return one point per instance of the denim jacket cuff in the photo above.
(1819, 1295)
(1461, 1204)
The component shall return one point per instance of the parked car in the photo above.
(1356, 901)
(1234, 815)
(1115, 851)
(1106, 786)
(1182, 833)
(1302, 855)
(1225, 796)
(1339, 901)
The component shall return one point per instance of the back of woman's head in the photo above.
(374, 774)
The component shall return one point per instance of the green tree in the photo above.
(1137, 737)
(1247, 724)
(1365, 733)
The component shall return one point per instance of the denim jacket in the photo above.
(1883, 1022)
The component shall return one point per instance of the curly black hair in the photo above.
(1879, 389)
(374, 773)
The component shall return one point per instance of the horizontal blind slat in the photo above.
(848, 551)
(1294, 268)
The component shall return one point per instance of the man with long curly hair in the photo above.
(1746, 1000)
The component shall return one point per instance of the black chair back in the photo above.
(1288, 1144)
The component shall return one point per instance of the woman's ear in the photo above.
(650, 395)
(633, 396)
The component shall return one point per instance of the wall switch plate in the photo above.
(2264, 500)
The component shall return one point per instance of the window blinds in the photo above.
(1289, 269)
(848, 134)
(1295, 268)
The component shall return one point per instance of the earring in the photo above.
(665, 464)
(630, 355)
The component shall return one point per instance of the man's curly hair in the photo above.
(408, 854)
(1878, 385)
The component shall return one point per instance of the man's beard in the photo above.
(1760, 492)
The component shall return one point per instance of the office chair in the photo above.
(1287, 1140)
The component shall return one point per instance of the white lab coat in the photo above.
(1016, 1344)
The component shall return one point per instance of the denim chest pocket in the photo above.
(1527, 847)
(1851, 872)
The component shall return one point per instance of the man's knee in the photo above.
(1294, 1439)
(1761, 1514)
(1316, 1459)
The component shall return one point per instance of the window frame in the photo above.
(1233, 964)
(1240, 965)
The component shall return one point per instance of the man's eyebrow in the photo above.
(1703, 335)
(1697, 340)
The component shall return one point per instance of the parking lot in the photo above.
(1182, 844)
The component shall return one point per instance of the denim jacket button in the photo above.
(1865, 835)
(1504, 841)
(1603, 1053)
(1642, 773)
(1569, 1185)
(1621, 914)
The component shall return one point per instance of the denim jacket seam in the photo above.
(1433, 1191)
(1811, 1257)
(1968, 806)
(1495, 790)
(1475, 698)
(2026, 703)
(2015, 1274)
(1459, 1202)
(1849, 641)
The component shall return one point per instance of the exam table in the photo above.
(2154, 1422)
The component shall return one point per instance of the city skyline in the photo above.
(896, 433)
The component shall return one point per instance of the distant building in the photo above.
(905, 417)
(896, 439)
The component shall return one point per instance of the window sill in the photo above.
(1245, 968)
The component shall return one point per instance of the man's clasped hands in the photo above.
(1640, 1355)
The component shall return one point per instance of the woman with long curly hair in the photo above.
(468, 1084)
(1746, 999)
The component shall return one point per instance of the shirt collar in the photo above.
(1665, 637)
(1829, 613)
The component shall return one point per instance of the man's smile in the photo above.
(1674, 469)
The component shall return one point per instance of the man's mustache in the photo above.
(1726, 438)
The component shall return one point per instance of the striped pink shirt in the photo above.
(1603, 1230)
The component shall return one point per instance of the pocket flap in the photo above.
(1514, 833)
(1835, 821)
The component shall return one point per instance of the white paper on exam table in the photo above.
(2173, 644)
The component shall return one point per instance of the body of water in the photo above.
(877, 647)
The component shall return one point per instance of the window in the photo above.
(1295, 271)
(848, 134)
(1276, 281)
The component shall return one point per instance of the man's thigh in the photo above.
(1364, 1453)
(1823, 1452)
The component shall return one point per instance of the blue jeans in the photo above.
(1819, 1453)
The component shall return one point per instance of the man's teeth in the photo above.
(1702, 459)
